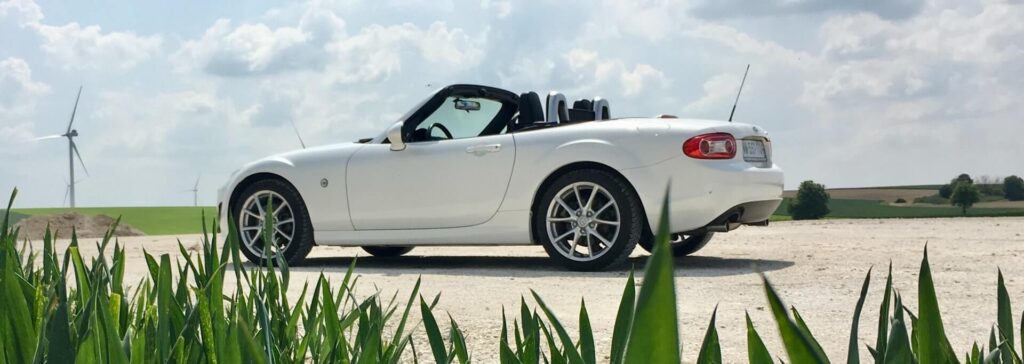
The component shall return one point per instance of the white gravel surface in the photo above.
(816, 266)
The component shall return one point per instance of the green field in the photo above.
(863, 209)
(151, 220)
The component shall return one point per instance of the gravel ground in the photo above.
(816, 266)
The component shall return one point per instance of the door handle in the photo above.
(484, 148)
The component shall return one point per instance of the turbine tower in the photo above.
(71, 134)
(195, 192)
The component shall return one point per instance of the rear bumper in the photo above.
(703, 191)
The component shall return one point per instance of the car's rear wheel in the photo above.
(277, 201)
(588, 220)
(387, 251)
(682, 245)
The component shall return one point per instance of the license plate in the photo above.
(753, 151)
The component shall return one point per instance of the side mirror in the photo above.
(395, 137)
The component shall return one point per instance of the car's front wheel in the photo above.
(588, 220)
(682, 245)
(271, 210)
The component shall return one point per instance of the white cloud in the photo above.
(594, 73)
(501, 8)
(78, 47)
(23, 12)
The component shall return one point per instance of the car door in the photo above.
(440, 180)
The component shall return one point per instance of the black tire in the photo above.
(302, 235)
(387, 251)
(630, 217)
(682, 245)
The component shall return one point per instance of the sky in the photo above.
(853, 93)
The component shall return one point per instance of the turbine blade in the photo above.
(73, 111)
(66, 190)
(302, 143)
(197, 182)
(75, 147)
(55, 136)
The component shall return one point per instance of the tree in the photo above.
(963, 177)
(1013, 188)
(964, 195)
(811, 202)
(945, 191)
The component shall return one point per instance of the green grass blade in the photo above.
(586, 336)
(798, 346)
(710, 350)
(433, 333)
(656, 318)
(623, 321)
(883, 318)
(807, 332)
(757, 353)
(853, 350)
(568, 347)
(897, 347)
(1005, 318)
(932, 342)
(458, 342)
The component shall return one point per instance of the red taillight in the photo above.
(711, 146)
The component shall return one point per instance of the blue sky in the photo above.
(854, 93)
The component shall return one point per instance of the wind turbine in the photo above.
(195, 192)
(67, 189)
(302, 143)
(71, 134)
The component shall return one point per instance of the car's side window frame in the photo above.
(495, 126)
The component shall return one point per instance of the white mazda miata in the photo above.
(477, 165)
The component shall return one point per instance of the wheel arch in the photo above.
(576, 166)
(253, 178)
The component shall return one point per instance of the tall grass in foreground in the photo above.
(183, 312)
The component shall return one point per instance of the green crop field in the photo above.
(862, 209)
(167, 220)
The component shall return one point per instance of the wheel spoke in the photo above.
(606, 222)
(575, 242)
(251, 228)
(560, 219)
(282, 222)
(568, 209)
(600, 237)
(605, 207)
(286, 236)
(560, 237)
(590, 200)
(247, 212)
(576, 191)
(259, 207)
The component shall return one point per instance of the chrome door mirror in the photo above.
(395, 137)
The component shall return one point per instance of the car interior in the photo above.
(462, 111)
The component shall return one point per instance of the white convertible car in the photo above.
(477, 165)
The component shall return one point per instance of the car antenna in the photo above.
(302, 143)
(739, 92)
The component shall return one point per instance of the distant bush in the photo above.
(990, 186)
(1013, 188)
(811, 202)
(934, 199)
(945, 191)
(965, 195)
(900, 200)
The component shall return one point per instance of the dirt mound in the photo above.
(94, 226)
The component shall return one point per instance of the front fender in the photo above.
(317, 174)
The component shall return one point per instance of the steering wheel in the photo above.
(444, 130)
